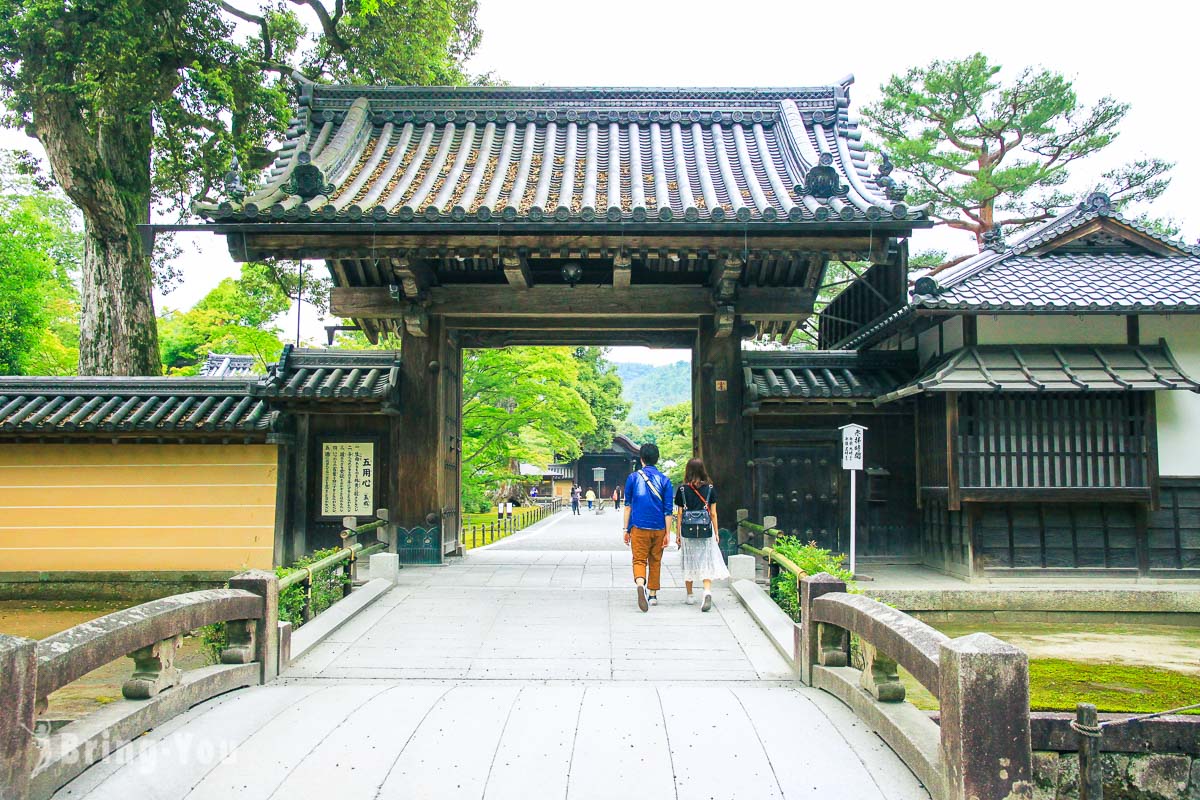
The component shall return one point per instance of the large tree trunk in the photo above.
(118, 334)
(107, 174)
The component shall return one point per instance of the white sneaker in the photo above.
(690, 600)
(653, 599)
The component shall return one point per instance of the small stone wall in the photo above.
(1127, 776)
(1151, 760)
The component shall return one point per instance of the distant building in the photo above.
(620, 459)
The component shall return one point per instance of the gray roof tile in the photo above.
(534, 155)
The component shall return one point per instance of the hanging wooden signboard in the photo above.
(347, 479)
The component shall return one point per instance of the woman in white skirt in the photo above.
(696, 523)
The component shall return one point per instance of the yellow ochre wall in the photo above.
(163, 507)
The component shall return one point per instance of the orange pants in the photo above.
(647, 549)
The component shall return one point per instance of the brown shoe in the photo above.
(643, 603)
(707, 603)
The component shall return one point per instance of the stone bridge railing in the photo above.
(35, 767)
(981, 748)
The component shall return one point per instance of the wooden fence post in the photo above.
(1091, 775)
(266, 628)
(19, 750)
(811, 645)
(985, 740)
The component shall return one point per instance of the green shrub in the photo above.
(811, 560)
(327, 588)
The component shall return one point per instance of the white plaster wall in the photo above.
(927, 346)
(1051, 329)
(952, 334)
(1178, 411)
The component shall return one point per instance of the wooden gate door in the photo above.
(799, 483)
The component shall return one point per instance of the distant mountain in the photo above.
(648, 388)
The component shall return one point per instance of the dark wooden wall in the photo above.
(617, 467)
(1173, 531)
(798, 478)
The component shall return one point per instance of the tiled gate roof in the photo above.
(538, 155)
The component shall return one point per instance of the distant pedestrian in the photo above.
(576, 493)
(591, 498)
(533, 493)
(647, 524)
(616, 498)
(696, 530)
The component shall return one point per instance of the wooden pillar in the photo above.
(720, 428)
(426, 446)
(300, 487)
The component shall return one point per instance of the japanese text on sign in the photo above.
(347, 479)
(852, 447)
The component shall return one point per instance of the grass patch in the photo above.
(1056, 684)
(485, 533)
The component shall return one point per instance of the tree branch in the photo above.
(328, 24)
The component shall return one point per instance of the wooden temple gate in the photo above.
(492, 217)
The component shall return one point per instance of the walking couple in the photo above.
(648, 516)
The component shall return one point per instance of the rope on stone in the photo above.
(1093, 731)
(1141, 717)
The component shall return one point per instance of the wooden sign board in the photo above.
(852, 446)
(347, 479)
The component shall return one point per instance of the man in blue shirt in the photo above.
(648, 510)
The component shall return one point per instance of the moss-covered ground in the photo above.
(1120, 668)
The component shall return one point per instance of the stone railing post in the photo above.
(259, 637)
(819, 644)
(19, 750)
(154, 670)
(985, 741)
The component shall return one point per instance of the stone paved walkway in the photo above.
(524, 670)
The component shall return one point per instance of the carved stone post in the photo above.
(259, 636)
(818, 643)
(154, 670)
(985, 741)
(880, 675)
(18, 688)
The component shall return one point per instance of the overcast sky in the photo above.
(1145, 54)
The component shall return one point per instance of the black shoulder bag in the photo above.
(697, 523)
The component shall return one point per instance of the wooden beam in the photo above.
(609, 338)
(414, 277)
(728, 268)
(622, 271)
(313, 242)
(609, 323)
(1115, 228)
(516, 271)
(766, 304)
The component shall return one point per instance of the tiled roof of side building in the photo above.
(224, 365)
(323, 375)
(1051, 368)
(547, 155)
(146, 406)
(824, 375)
(1117, 282)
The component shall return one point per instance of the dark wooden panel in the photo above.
(1042, 536)
(1098, 442)
(1173, 531)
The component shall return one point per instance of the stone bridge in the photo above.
(522, 670)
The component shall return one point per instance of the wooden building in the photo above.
(1030, 410)
(493, 216)
(617, 460)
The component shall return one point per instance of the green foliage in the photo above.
(146, 103)
(649, 388)
(671, 429)
(327, 588)
(212, 641)
(986, 152)
(235, 317)
(811, 560)
(519, 404)
(40, 251)
(600, 387)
